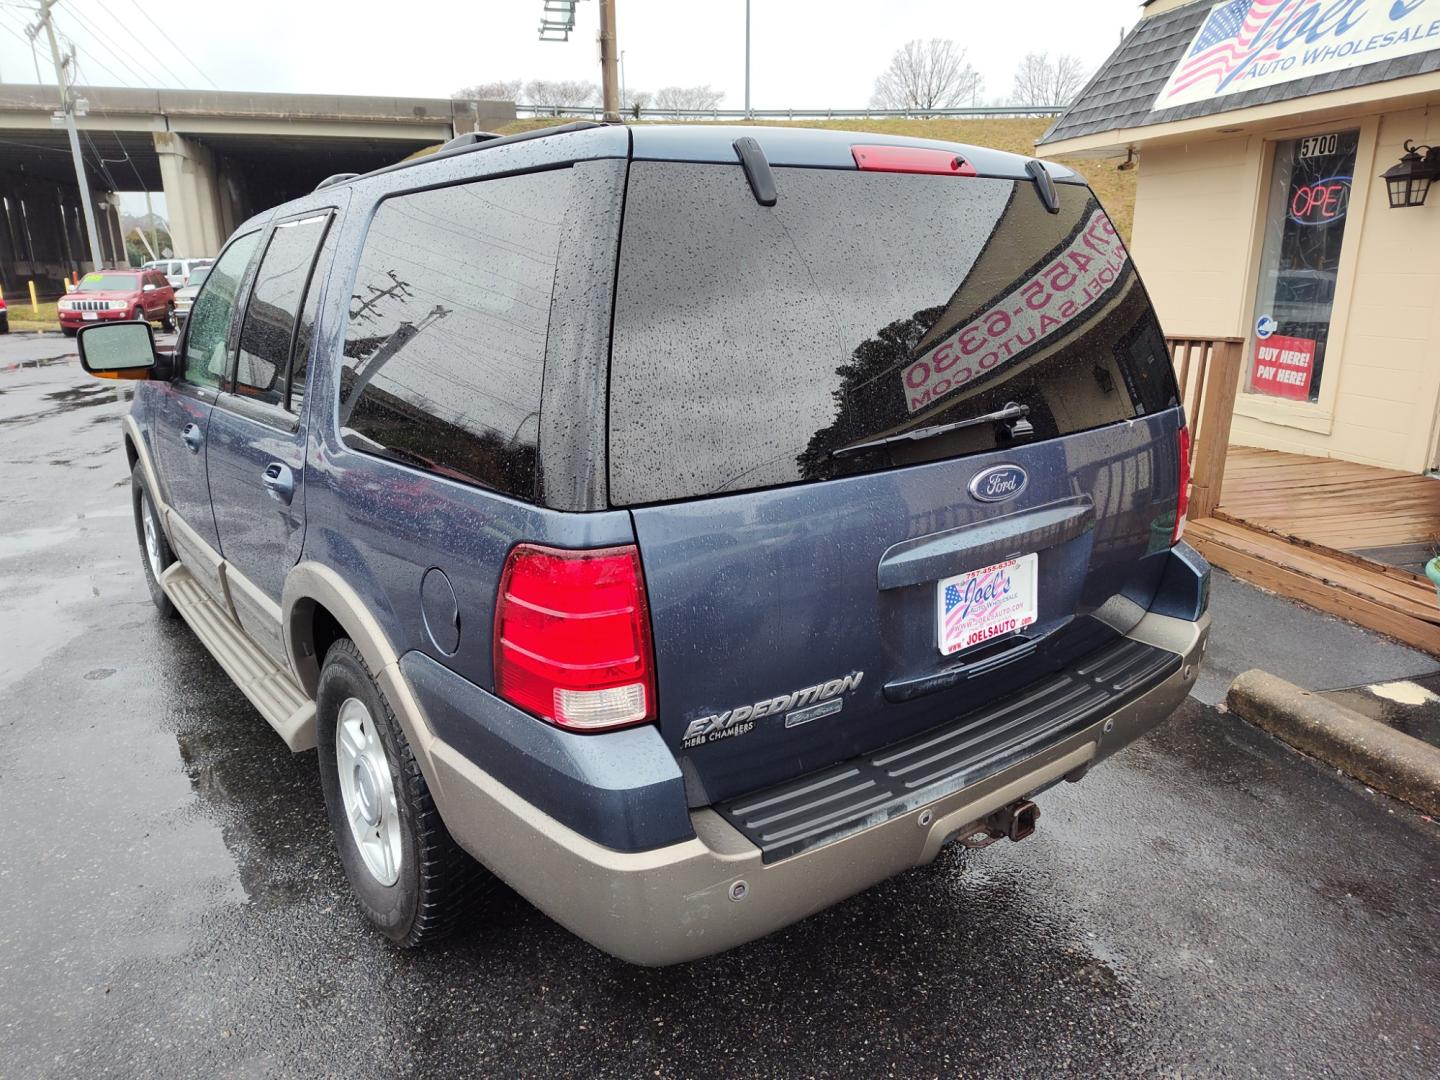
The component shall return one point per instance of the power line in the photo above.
(92, 54)
(17, 36)
(160, 30)
(118, 80)
(90, 46)
(119, 143)
(105, 10)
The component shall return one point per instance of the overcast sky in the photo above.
(809, 54)
(805, 53)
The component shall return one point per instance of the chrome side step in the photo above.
(269, 687)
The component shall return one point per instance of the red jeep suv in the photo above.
(118, 295)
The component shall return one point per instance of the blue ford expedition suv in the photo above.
(688, 526)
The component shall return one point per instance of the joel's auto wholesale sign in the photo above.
(1062, 289)
(1249, 44)
(1283, 367)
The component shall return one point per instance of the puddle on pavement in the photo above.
(44, 361)
(78, 397)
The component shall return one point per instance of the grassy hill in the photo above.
(1115, 189)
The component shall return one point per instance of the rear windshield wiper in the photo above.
(1011, 411)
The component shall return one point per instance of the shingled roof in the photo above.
(1123, 90)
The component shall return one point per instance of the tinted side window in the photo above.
(263, 366)
(209, 321)
(305, 332)
(446, 341)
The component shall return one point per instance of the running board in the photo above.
(268, 686)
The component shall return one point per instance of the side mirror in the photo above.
(147, 287)
(118, 350)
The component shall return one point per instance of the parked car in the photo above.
(177, 271)
(116, 295)
(185, 297)
(688, 569)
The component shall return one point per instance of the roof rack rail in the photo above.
(335, 178)
(470, 138)
(477, 140)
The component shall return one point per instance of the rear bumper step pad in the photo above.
(873, 788)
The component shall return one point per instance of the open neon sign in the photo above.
(1320, 203)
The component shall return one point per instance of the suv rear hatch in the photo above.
(819, 588)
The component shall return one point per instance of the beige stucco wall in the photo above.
(1196, 241)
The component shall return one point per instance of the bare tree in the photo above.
(676, 99)
(496, 90)
(558, 94)
(926, 75)
(1041, 80)
(635, 101)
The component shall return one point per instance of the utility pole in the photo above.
(67, 105)
(609, 83)
(154, 229)
(747, 61)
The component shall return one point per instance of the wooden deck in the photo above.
(1334, 504)
(1345, 538)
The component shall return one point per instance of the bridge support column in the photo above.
(190, 178)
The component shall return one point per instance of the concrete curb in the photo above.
(1388, 760)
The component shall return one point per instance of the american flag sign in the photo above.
(1251, 44)
(984, 604)
(1225, 39)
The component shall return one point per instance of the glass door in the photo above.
(1307, 205)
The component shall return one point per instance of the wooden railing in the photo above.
(1208, 370)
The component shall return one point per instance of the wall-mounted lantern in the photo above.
(1409, 181)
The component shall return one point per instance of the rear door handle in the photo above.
(193, 437)
(279, 481)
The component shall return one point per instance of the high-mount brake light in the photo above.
(572, 637)
(911, 159)
(1182, 508)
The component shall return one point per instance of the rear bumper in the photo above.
(685, 901)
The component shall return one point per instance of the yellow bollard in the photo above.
(34, 301)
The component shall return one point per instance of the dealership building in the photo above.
(1264, 131)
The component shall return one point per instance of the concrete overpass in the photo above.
(217, 156)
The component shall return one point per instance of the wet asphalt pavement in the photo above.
(1208, 903)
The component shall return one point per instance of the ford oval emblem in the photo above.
(999, 483)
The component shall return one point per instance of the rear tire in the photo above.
(155, 553)
(409, 877)
(167, 321)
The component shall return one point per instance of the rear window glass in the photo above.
(445, 347)
(750, 342)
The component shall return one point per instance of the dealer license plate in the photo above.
(89, 316)
(984, 604)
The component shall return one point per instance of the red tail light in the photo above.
(572, 637)
(911, 159)
(1183, 507)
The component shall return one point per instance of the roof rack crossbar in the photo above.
(478, 140)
